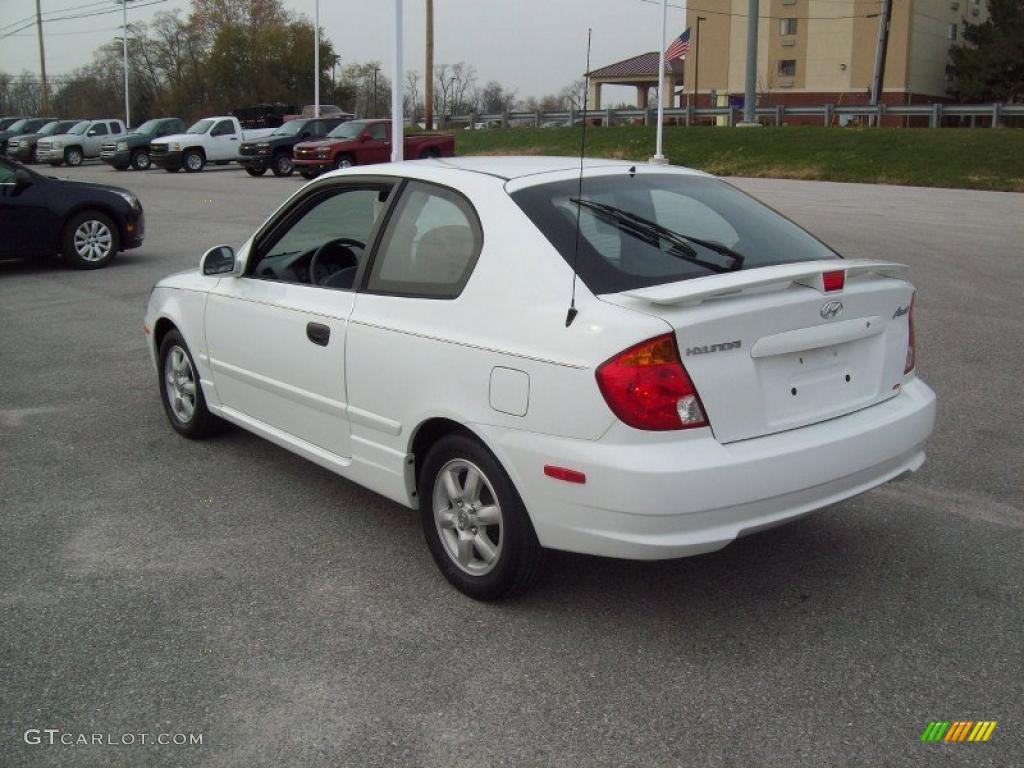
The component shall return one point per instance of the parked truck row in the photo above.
(311, 145)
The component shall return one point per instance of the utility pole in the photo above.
(124, 20)
(750, 85)
(316, 60)
(428, 77)
(42, 58)
(880, 50)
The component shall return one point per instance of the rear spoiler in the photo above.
(808, 273)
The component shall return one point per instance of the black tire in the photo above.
(193, 160)
(307, 174)
(255, 171)
(519, 554)
(430, 154)
(73, 156)
(121, 167)
(201, 423)
(282, 164)
(344, 161)
(90, 240)
(141, 161)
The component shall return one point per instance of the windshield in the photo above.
(201, 127)
(17, 126)
(648, 229)
(51, 128)
(150, 126)
(348, 130)
(79, 129)
(291, 128)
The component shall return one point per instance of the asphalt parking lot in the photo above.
(154, 585)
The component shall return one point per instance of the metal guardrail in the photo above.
(994, 114)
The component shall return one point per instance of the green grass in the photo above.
(982, 158)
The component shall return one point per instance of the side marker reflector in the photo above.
(561, 473)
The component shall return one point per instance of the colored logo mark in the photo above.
(958, 730)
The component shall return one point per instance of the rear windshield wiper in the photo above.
(651, 232)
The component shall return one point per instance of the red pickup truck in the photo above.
(361, 142)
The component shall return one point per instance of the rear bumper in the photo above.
(653, 497)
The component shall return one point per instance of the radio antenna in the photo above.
(579, 192)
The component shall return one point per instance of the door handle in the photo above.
(318, 333)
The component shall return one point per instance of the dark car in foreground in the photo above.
(132, 150)
(86, 223)
(23, 148)
(275, 151)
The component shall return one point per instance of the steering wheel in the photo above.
(335, 255)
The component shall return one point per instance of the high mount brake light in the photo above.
(833, 281)
(647, 387)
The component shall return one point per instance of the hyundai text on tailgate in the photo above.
(410, 326)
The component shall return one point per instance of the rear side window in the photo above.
(98, 129)
(701, 226)
(430, 247)
(115, 127)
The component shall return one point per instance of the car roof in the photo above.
(511, 167)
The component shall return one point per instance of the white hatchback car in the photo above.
(408, 326)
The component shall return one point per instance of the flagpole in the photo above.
(659, 157)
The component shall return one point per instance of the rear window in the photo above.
(618, 251)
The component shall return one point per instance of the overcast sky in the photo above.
(534, 46)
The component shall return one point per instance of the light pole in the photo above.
(124, 39)
(397, 103)
(316, 59)
(696, 65)
(659, 156)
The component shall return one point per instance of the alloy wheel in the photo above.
(93, 240)
(180, 384)
(468, 517)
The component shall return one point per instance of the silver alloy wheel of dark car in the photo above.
(283, 165)
(468, 518)
(93, 241)
(73, 156)
(141, 160)
(180, 383)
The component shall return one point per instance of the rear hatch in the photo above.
(769, 349)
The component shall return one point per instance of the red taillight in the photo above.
(647, 387)
(911, 354)
(833, 281)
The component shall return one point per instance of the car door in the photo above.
(275, 335)
(25, 215)
(223, 142)
(94, 138)
(378, 148)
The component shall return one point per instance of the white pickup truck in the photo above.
(210, 140)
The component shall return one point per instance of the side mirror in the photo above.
(92, 132)
(219, 260)
(305, 135)
(22, 178)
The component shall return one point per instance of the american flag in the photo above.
(680, 47)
